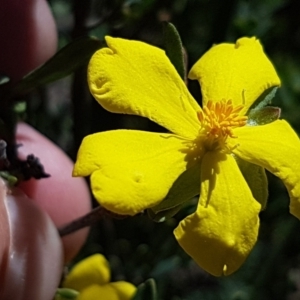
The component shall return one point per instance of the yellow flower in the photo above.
(91, 277)
(134, 170)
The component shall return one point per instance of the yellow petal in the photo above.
(125, 290)
(132, 77)
(275, 147)
(131, 170)
(91, 270)
(240, 72)
(223, 230)
(99, 292)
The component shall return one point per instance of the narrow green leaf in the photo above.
(4, 79)
(66, 294)
(264, 99)
(146, 291)
(163, 215)
(12, 180)
(174, 48)
(4, 84)
(184, 188)
(263, 116)
(62, 64)
(257, 180)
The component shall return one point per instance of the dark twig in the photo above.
(89, 219)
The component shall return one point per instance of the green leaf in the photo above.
(4, 79)
(264, 99)
(174, 48)
(65, 293)
(163, 215)
(166, 266)
(4, 84)
(184, 188)
(62, 64)
(263, 116)
(20, 107)
(12, 180)
(256, 179)
(146, 291)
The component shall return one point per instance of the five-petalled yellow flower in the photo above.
(91, 278)
(134, 170)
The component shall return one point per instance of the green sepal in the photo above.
(163, 215)
(174, 49)
(186, 186)
(263, 116)
(256, 179)
(65, 293)
(62, 64)
(264, 99)
(146, 291)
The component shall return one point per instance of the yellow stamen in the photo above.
(218, 119)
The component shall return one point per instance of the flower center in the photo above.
(217, 120)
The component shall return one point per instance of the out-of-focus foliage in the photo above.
(139, 248)
(62, 64)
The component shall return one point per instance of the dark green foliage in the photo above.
(146, 291)
(174, 48)
(62, 64)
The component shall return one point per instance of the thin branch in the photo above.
(89, 219)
